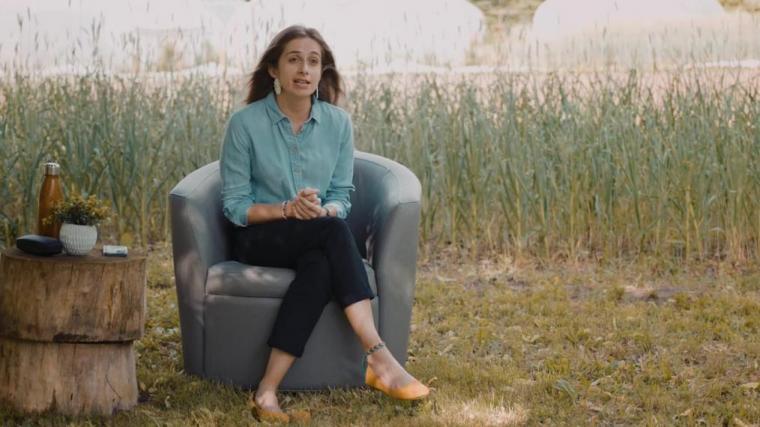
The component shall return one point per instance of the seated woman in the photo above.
(287, 169)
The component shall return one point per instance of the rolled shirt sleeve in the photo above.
(341, 182)
(235, 161)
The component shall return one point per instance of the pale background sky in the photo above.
(54, 36)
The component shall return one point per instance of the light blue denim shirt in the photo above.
(262, 161)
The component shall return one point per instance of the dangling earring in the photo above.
(277, 86)
(316, 94)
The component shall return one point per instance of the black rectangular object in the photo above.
(39, 245)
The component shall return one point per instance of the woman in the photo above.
(287, 169)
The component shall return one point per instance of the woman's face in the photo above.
(299, 67)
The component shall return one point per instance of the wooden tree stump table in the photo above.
(66, 329)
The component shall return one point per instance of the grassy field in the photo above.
(513, 342)
(589, 240)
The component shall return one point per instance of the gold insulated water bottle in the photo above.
(50, 195)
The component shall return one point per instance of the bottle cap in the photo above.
(52, 168)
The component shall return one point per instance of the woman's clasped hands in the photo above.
(306, 205)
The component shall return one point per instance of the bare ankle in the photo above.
(380, 359)
(267, 399)
(265, 390)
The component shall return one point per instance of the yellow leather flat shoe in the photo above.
(262, 414)
(415, 390)
(300, 416)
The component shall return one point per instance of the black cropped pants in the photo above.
(324, 255)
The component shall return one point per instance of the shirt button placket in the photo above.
(295, 162)
(298, 141)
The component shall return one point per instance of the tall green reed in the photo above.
(122, 138)
(577, 164)
(560, 165)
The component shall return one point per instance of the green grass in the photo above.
(576, 173)
(505, 342)
(609, 226)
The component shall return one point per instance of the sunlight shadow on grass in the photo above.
(483, 412)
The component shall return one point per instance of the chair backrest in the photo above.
(201, 192)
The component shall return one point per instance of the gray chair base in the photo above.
(245, 354)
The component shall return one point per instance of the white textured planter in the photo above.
(78, 239)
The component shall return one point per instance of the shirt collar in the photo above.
(276, 115)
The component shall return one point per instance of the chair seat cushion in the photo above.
(234, 278)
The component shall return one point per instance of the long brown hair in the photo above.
(261, 83)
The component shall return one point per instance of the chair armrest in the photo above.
(392, 231)
(199, 240)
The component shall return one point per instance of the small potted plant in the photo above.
(79, 218)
